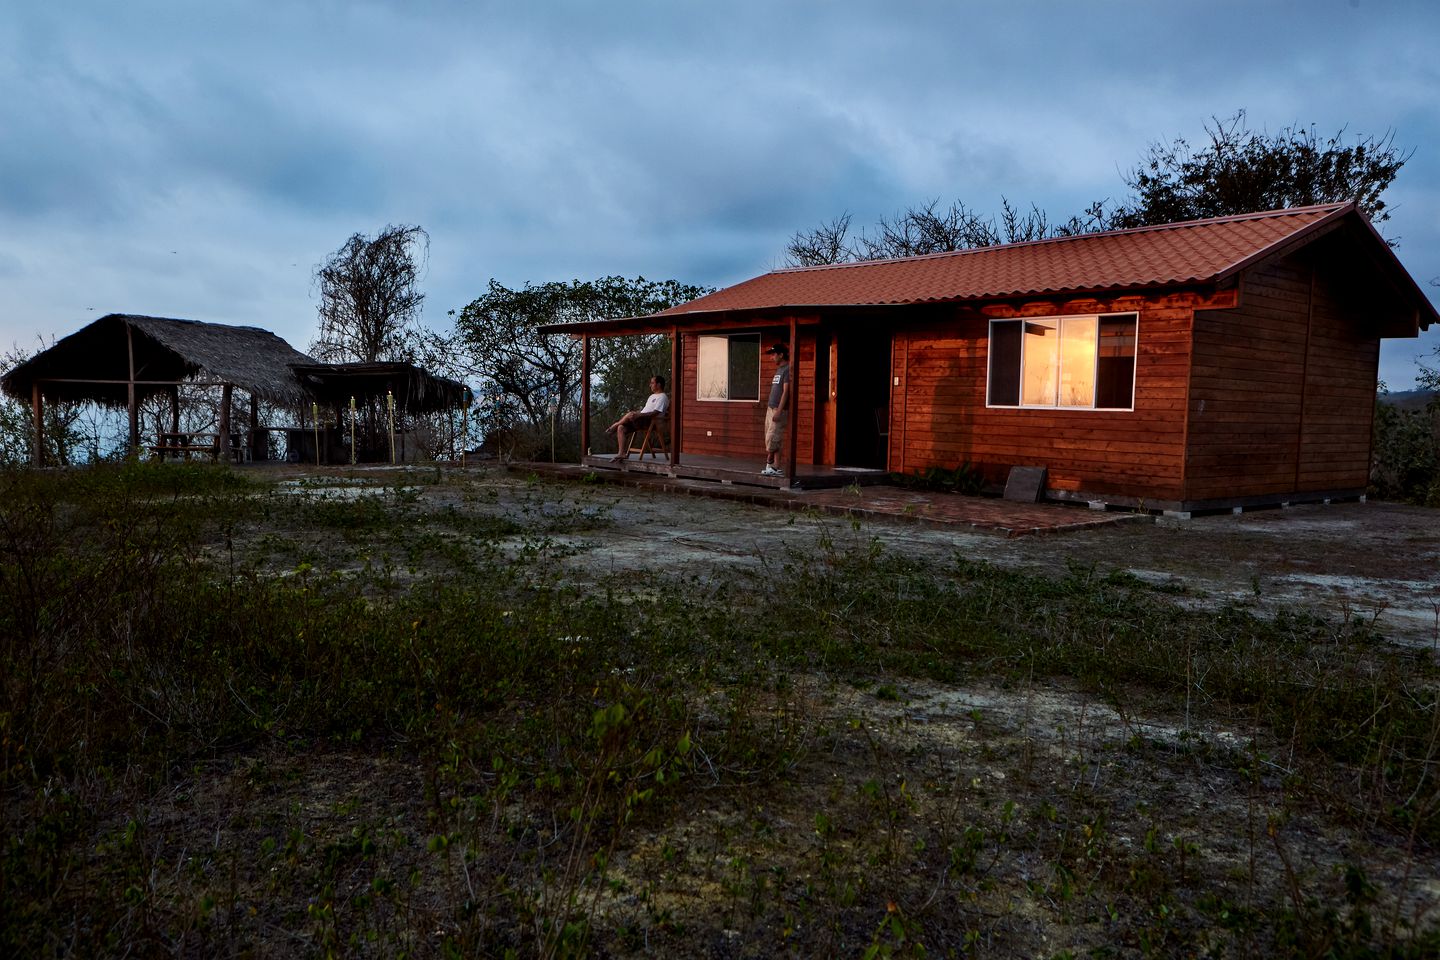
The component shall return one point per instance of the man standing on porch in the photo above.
(656, 405)
(775, 408)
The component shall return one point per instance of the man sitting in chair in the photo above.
(656, 406)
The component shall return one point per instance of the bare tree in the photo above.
(369, 299)
(921, 230)
(931, 229)
(61, 428)
(827, 243)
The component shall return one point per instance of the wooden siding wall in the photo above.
(939, 417)
(736, 428)
(1282, 396)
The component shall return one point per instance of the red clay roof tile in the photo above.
(1197, 251)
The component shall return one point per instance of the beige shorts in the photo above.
(775, 421)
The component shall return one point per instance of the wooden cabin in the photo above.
(1188, 366)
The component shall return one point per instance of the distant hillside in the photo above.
(1409, 399)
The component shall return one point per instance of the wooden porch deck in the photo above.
(697, 466)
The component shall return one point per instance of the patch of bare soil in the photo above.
(1376, 561)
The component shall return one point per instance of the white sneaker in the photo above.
(769, 471)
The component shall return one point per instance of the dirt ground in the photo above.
(1379, 561)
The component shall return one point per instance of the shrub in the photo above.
(1406, 454)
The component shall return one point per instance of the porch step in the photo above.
(738, 471)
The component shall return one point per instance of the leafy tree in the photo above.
(369, 299)
(1241, 171)
(522, 371)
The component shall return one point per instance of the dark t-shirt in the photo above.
(777, 385)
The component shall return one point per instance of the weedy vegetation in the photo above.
(350, 717)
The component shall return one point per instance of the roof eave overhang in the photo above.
(1424, 313)
(809, 312)
(690, 319)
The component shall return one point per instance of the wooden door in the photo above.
(826, 357)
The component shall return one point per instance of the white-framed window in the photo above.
(728, 367)
(1085, 362)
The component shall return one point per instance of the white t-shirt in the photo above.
(657, 403)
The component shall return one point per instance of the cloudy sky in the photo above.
(198, 159)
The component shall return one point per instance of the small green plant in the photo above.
(963, 479)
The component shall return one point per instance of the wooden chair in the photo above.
(650, 441)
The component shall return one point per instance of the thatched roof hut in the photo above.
(94, 363)
(415, 390)
(123, 359)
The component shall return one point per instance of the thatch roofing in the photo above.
(415, 390)
(166, 351)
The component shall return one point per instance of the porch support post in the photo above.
(131, 408)
(794, 411)
(584, 396)
(174, 392)
(677, 394)
(37, 417)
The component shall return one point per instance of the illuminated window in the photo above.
(1076, 362)
(729, 367)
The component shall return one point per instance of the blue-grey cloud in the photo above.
(199, 159)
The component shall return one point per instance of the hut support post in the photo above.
(174, 392)
(222, 442)
(677, 393)
(130, 406)
(253, 441)
(37, 417)
(794, 411)
(584, 396)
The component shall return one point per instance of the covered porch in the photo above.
(837, 420)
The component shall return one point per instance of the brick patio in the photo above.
(1002, 517)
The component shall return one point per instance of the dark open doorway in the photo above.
(862, 398)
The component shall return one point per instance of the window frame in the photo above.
(1058, 320)
(759, 367)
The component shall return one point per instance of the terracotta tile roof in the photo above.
(1174, 254)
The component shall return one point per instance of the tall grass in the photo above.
(564, 734)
